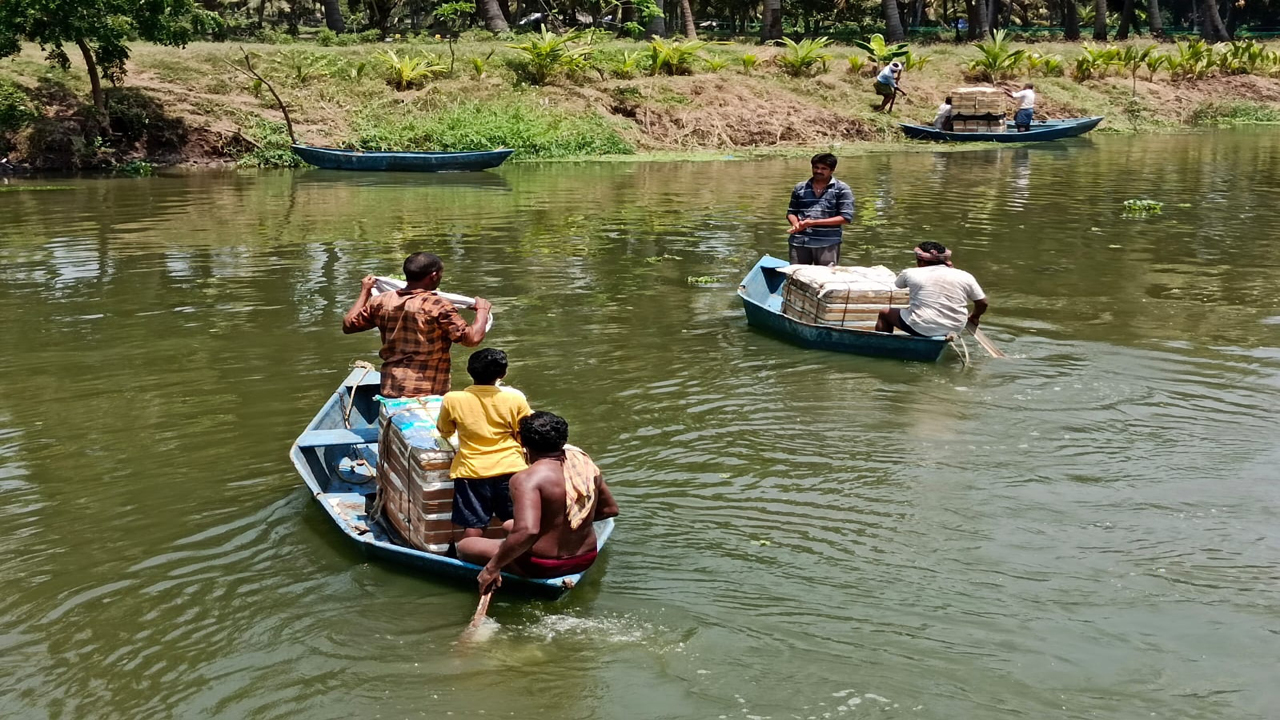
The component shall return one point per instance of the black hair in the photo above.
(420, 266)
(824, 159)
(487, 366)
(930, 246)
(543, 433)
(948, 99)
(1029, 86)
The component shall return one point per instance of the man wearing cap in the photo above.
(887, 84)
(819, 207)
(940, 295)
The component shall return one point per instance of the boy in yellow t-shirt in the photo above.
(487, 419)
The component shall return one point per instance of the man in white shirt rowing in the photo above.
(1026, 98)
(940, 295)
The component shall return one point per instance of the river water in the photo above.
(1085, 530)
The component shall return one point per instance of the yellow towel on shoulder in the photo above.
(579, 485)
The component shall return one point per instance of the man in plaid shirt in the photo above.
(418, 328)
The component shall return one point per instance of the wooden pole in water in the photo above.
(481, 610)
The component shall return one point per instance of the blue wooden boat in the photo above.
(337, 159)
(337, 459)
(761, 293)
(1040, 131)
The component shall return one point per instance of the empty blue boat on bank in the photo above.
(338, 159)
(337, 457)
(1040, 131)
(761, 293)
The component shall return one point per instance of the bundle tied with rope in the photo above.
(840, 296)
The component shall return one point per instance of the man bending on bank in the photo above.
(418, 328)
(556, 500)
(940, 295)
(819, 207)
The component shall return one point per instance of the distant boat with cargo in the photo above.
(1040, 131)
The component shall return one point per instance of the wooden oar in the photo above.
(984, 341)
(481, 610)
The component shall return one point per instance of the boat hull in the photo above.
(328, 442)
(762, 302)
(337, 159)
(1039, 132)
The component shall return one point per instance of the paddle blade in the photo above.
(482, 610)
(984, 341)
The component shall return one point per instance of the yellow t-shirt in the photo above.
(487, 419)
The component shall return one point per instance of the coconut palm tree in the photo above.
(771, 22)
(1153, 18)
(1100, 19)
(494, 20)
(892, 21)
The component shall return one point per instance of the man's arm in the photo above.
(526, 502)
(356, 320)
(606, 506)
(793, 213)
(475, 334)
(979, 307)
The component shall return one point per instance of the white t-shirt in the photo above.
(940, 298)
(944, 112)
(1028, 98)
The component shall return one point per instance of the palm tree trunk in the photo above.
(771, 21)
(977, 12)
(690, 26)
(1100, 20)
(1126, 18)
(1071, 20)
(1211, 27)
(494, 20)
(892, 23)
(657, 25)
(1153, 17)
(333, 16)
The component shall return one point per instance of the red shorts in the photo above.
(539, 567)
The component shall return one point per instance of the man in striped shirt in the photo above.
(819, 207)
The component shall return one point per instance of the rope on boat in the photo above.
(351, 394)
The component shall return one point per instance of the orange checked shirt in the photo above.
(418, 329)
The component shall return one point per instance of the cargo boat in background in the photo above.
(762, 300)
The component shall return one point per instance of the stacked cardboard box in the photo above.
(840, 296)
(413, 474)
(978, 109)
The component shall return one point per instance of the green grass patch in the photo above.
(533, 131)
(1234, 112)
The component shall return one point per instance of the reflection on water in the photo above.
(1078, 532)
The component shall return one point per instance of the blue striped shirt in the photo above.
(837, 199)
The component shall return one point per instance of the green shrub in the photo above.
(799, 59)
(406, 73)
(878, 51)
(749, 62)
(1233, 112)
(1094, 62)
(671, 57)
(547, 56)
(911, 61)
(16, 110)
(273, 146)
(997, 59)
(534, 131)
(857, 64)
(1194, 59)
(137, 168)
(326, 38)
(300, 66)
(716, 64)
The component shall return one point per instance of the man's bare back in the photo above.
(541, 534)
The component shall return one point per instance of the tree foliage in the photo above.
(101, 30)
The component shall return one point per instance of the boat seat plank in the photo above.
(325, 438)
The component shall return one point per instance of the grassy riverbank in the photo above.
(188, 106)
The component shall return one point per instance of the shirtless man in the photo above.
(556, 500)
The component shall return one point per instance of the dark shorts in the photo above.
(827, 255)
(1024, 117)
(884, 89)
(902, 325)
(475, 500)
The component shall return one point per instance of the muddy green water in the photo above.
(1087, 530)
